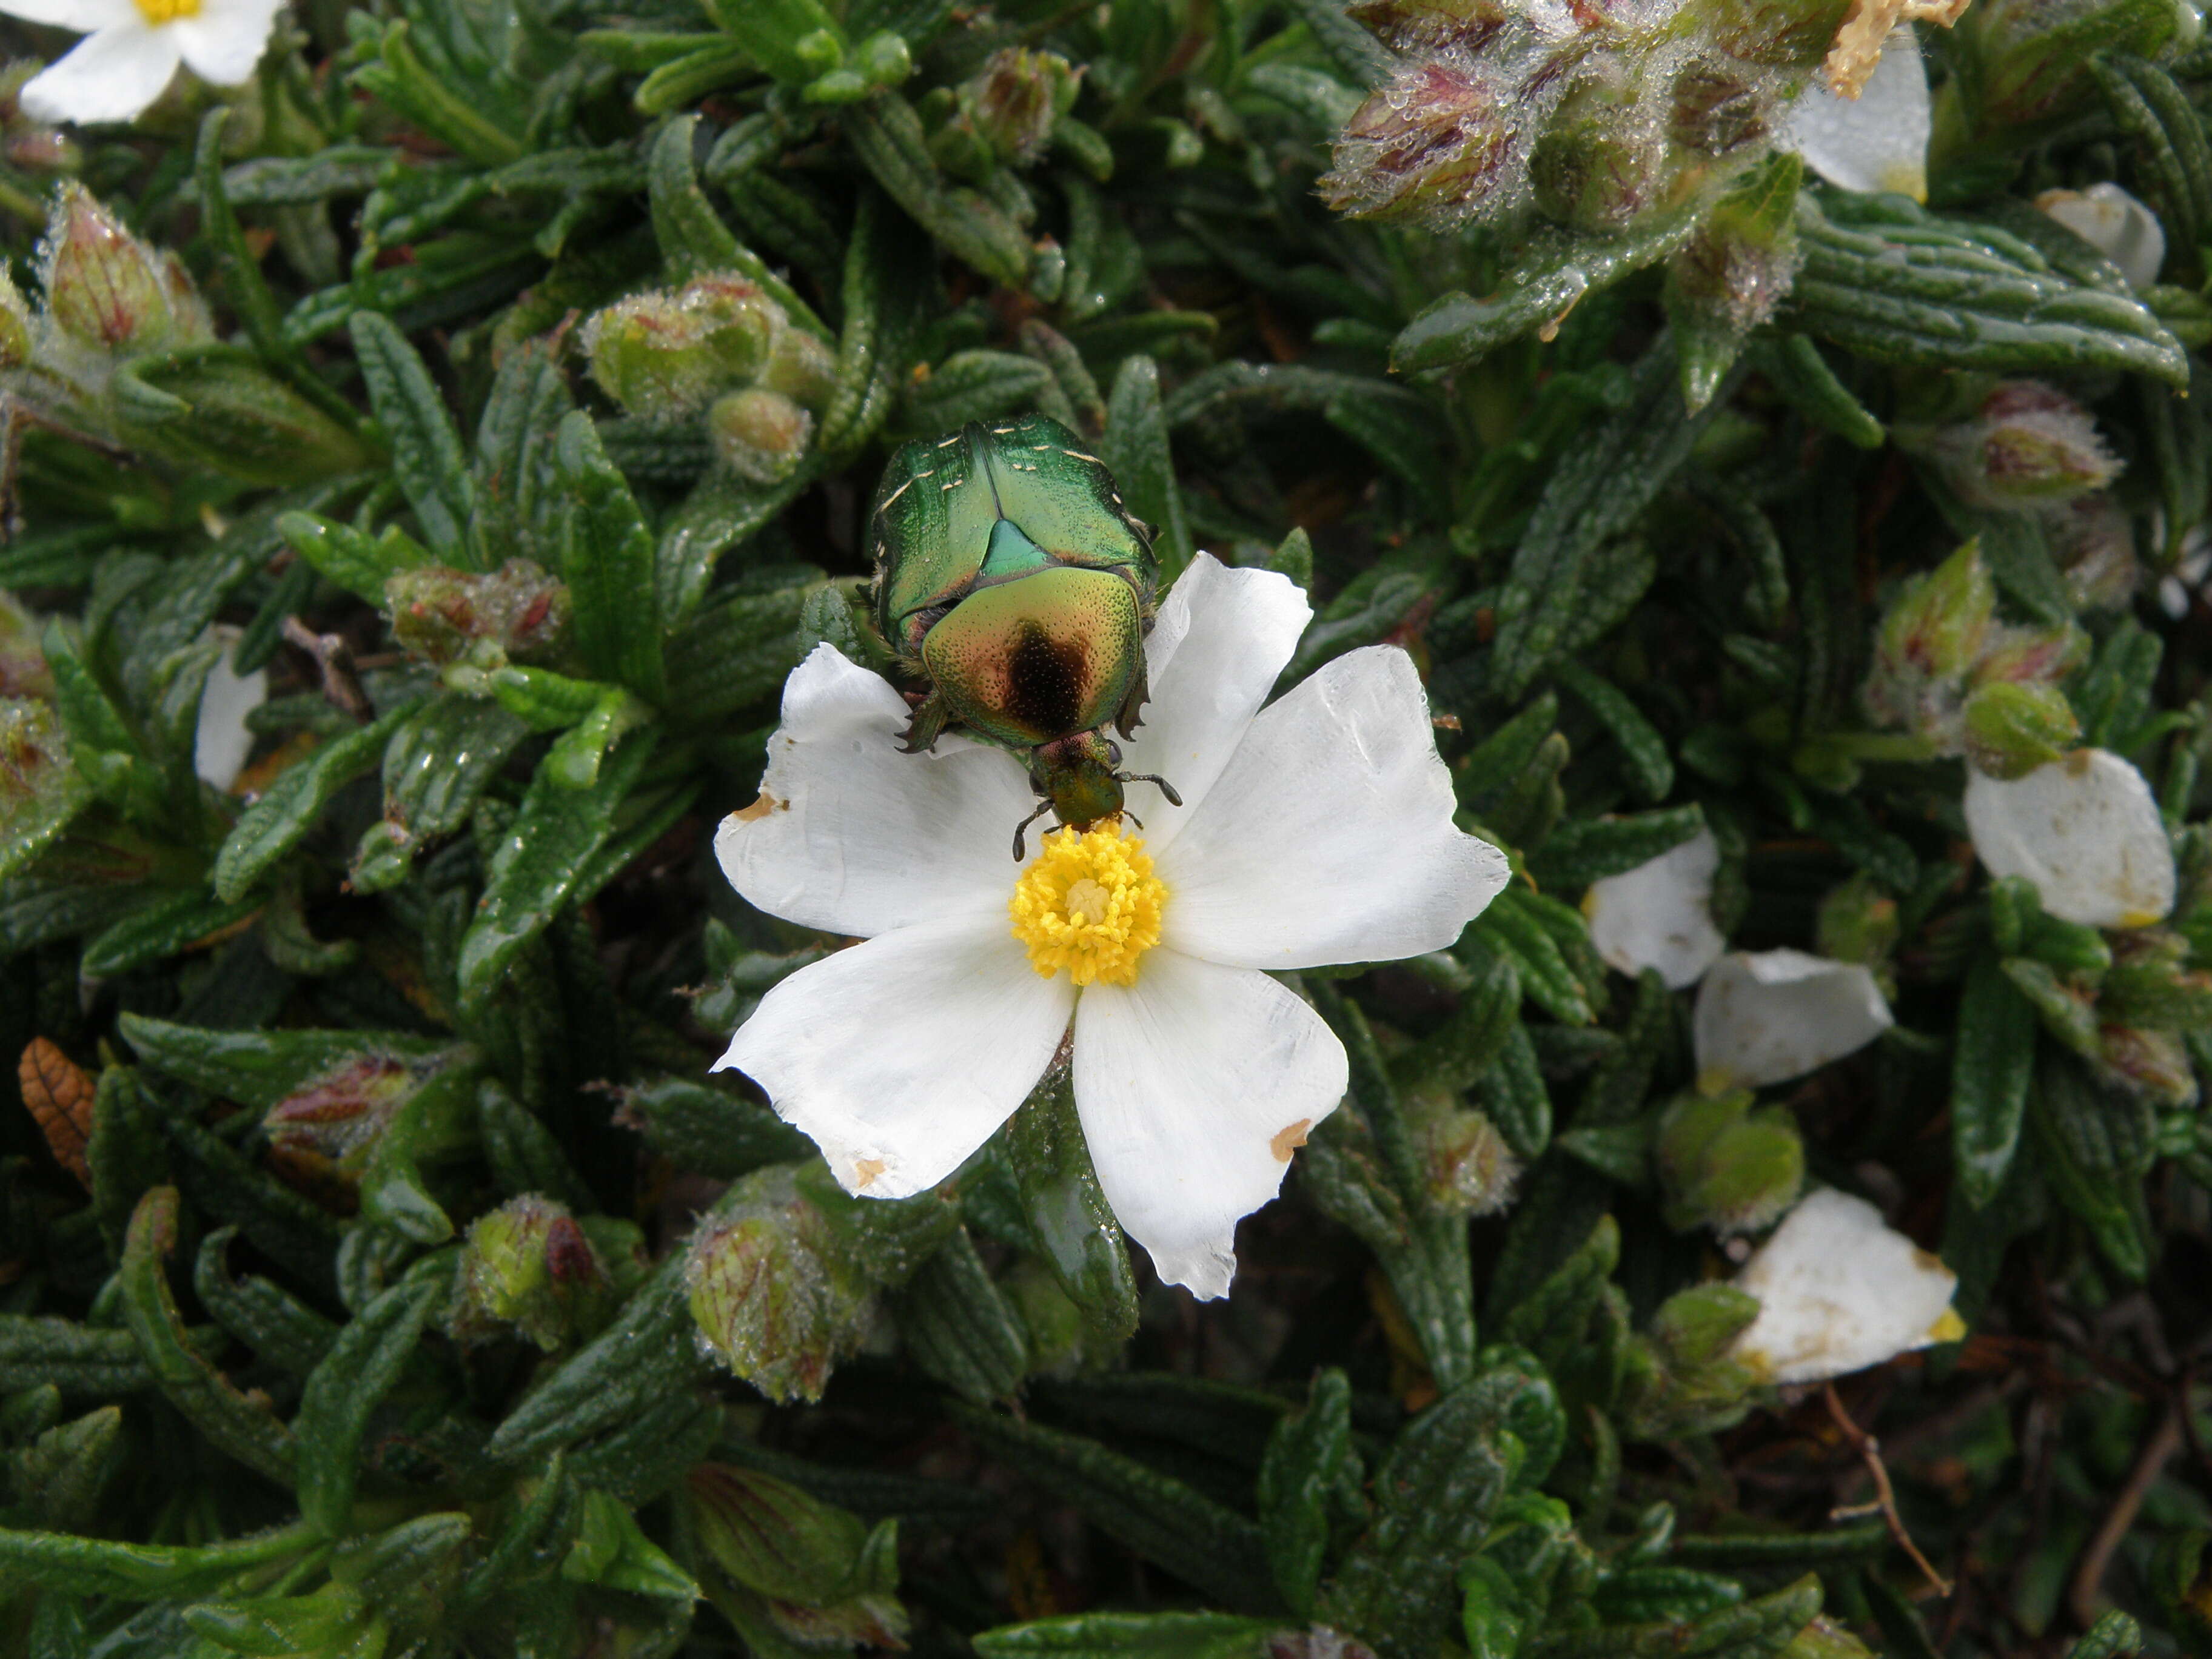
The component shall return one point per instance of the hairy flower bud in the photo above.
(321, 1135)
(1777, 33)
(1858, 922)
(1725, 1166)
(527, 1264)
(759, 434)
(2029, 445)
(1602, 159)
(23, 671)
(802, 367)
(107, 290)
(2095, 546)
(2012, 728)
(769, 1300)
(15, 323)
(438, 613)
(1016, 98)
(1438, 143)
(1429, 25)
(666, 354)
(1720, 108)
(819, 1574)
(1928, 642)
(2153, 1063)
(1472, 1171)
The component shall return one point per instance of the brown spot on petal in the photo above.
(865, 1170)
(761, 808)
(1289, 1139)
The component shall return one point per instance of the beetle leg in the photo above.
(1021, 843)
(929, 722)
(1166, 788)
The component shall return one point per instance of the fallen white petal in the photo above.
(2085, 831)
(1222, 636)
(1195, 1086)
(1768, 1015)
(1877, 141)
(1838, 1291)
(1330, 837)
(2114, 223)
(111, 75)
(899, 1056)
(223, 43)
(1659, 915)
(222, 741)
(852, 836)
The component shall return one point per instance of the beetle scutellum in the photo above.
(1010, 577)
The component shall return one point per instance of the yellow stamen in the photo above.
(158, 12)
(1090, 904)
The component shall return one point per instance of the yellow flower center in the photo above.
(158, 12)
(1090, 904)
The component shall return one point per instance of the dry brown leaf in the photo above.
(1865, 30)
(59, 1094)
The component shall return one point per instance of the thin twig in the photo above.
(334, 658)
(2089, 1582)
(1869, 1450)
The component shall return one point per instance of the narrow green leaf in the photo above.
(1991, 1066)
(607, 559)
(358, 1372)
(295, 803)
(427, 457)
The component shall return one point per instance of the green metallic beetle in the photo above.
(1010, 577)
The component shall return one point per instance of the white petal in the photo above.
(1329, 837)
(222, 742)
(899, 1056)
(852, 836)
(2114, 223)
(1838, 1291)
(1660, 914)
(224, 42)
(111, 75)
(1221, 638)
(1195, 1086)
(2085, 831)
(1877, 141)
(1769, 1016)
(85, 16)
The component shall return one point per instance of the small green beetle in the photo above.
(1010, 577)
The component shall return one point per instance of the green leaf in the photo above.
(1072, 1227)
(2097, 1145)
(957, 1327)
(349, 557)
(973, 386)
(359, 1370)
(1643, 751)
(517, 477)
(427, 458)
(258, 1069)
(164, 928)
(1135, 451)
(887, 135)
(540, 860)
(1584, 850)
(1992, 1064)
(712, 521)
(607, 559)
(2150, 108)
(294, 803)
(67, 1565)
(1307, 1457)
(694, 240)
(1161, 1518)
(256, 1312)
(1130, 1636)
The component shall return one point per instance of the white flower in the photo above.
(1877, 141)
(1769, 1016)
(132, 48)
(2114, 223)
(1839, 1292)
(1660, 914)
(1315, 830)
(223, 741)
(2085, 831)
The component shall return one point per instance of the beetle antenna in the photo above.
(1021, 844)
(1133, 818)
(1166, 788)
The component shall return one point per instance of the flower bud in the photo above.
(1724, 1166)
(1824, 1638)
(320, 1135)
(40, 789)
(820, 1575)
(1929, 638)
(1411, 26)
(1438, 143)
(1719, 108)
(23, 671)
(758, 434)
(15, 323)
(2028, 446)
(1014, 99)
(110, 291)
(802, 367)
(220, 409)
(2014, 728)
(2095, 547)
(1778, 34)
(1602, 159)
(438, 613)
(2154, 1064)
(1680, 1377)
(527, 1264)
(1858, 922)
(1471, 1170)
(2113, 222)
(666, 354)
(769, 1301)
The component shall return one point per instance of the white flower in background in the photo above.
(133, 49)
(2086, 831)
(1765, 1017)
(2174, 591)
(1660, 914)
(1317, 831)
(223, 740)
(2114, 223)
(1877, 141)
(1838, 1291)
